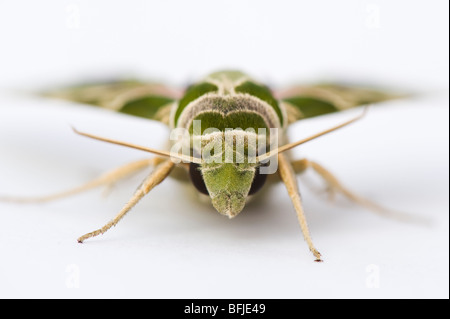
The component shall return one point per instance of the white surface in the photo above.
(171, 245)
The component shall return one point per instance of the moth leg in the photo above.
(287, 175)
(334, 185)
(300, 166)
(155, 177)
(106, 179)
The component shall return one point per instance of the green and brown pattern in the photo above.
(147, 100)
(157, 101)
(304, 102)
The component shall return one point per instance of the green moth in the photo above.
(229, 137)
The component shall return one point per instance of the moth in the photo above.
(233, 141)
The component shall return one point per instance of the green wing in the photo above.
(154, 100)
(309, 101)
(147, 100)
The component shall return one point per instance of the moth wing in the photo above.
(143, 99)
(303, 102)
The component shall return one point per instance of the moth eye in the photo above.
(197, 178)
(258, 182)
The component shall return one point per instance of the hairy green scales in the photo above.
(228, 100)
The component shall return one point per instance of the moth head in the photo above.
(229, 171)
(227, 184)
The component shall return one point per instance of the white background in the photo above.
(173, 246)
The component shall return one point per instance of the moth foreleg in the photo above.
(108, 179)
(155, 177)
(335, 186)
(288, 177)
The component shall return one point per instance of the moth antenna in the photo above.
(182, 157)
(312, 137)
